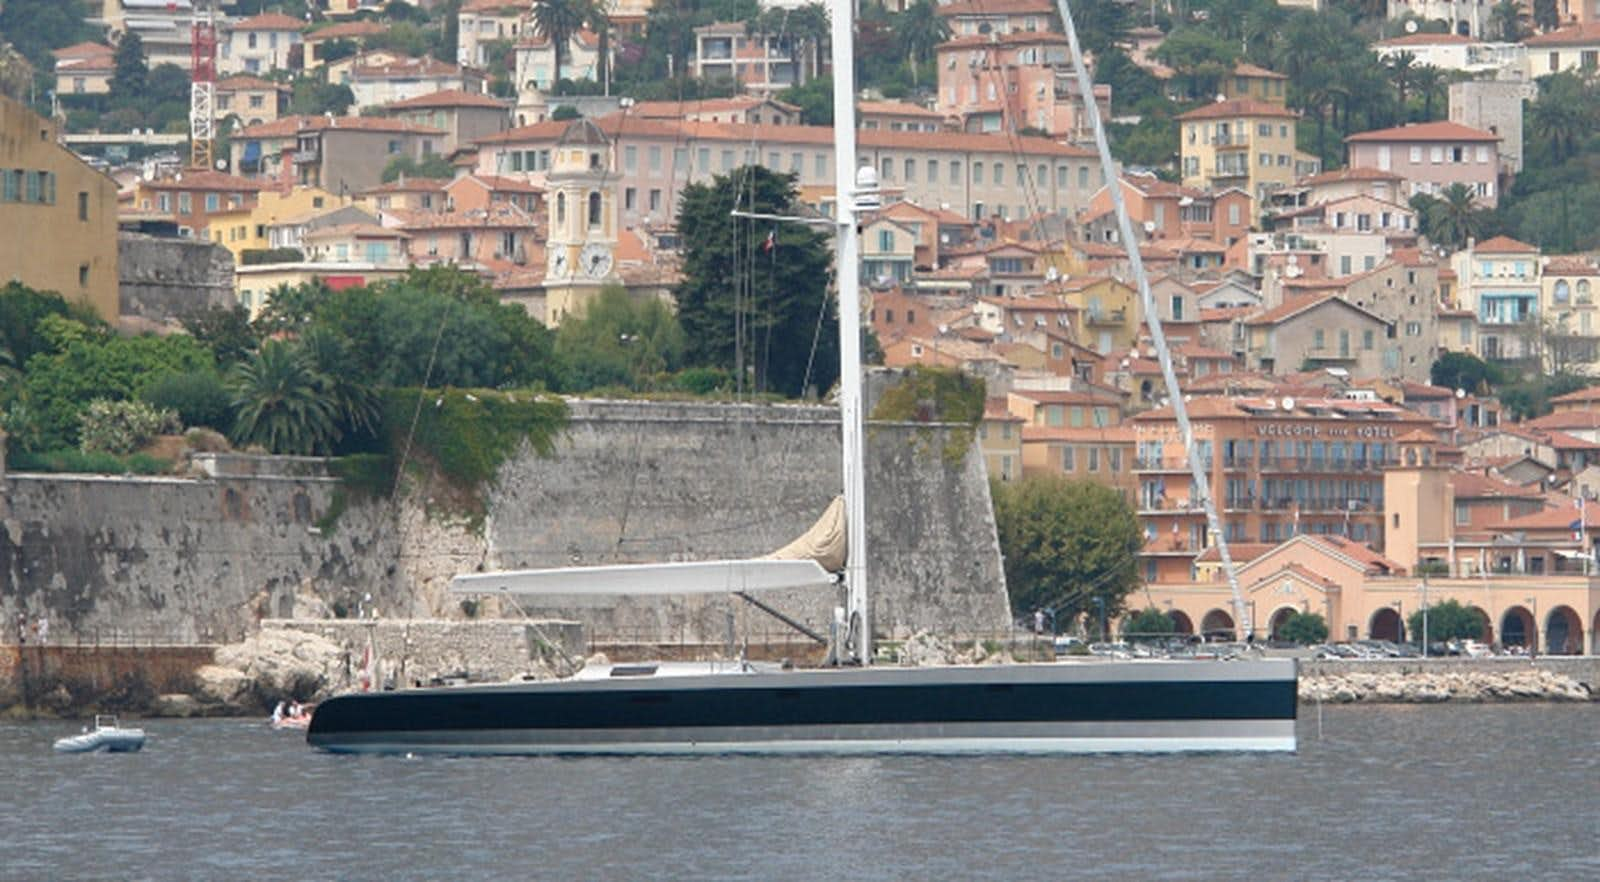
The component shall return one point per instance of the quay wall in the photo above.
(65, 679)
(206, 558)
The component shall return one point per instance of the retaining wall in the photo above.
(206, 558)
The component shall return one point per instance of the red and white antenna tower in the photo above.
(203, 86)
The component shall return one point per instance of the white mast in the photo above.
(1197, 469)
(858, 609)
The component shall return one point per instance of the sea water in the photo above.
(1488, 792)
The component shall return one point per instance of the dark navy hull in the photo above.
(1052, 708)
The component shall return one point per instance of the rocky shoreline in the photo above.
(1418, 687)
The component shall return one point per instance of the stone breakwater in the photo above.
(1496, 683)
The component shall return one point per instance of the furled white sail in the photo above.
(688, 577)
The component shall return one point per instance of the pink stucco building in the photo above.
(1431, 157)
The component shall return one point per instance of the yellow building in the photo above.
(256, 283)
(58, 216)
(1256, 84)
(1107, 317)
(1240, 143)
(245, 228)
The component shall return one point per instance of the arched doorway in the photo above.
(1279, 616)
(1181, 623)
(1563, 632)
(1516, 627)
(1217, 625)
(1386, 625)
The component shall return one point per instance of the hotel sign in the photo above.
(1316, 430)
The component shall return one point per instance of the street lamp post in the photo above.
(1424, 615)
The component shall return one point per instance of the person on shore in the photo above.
(277, 713)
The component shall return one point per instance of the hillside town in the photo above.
(1370, 234)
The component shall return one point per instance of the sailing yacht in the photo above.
(852, 708)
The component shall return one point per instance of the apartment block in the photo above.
(60, 214)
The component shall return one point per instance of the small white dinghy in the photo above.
(106, 735)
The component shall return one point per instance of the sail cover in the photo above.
(689, 577)
(808, 561)
(823, 543)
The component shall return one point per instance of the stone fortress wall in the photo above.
(206, 558)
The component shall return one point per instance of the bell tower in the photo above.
(1419, 503)
(582, 210)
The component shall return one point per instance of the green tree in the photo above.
(129, 79)
(618, 341)
(918, 30)
(22, 309)
(225, 330)
(1546, 15)
(436, 327)
(281, 403)
(1448, 621)
(815, 100)
(84, 363)
(433, 166)
(1303, 628)
(1429, 81)
(557, 21)
(767, 312)
(35, 27)
(1101, 24)
(1068, 545)
(1463, 370)
(1200, 58)
(354, 404)
(1456, 217)
(1563, 113)
(1148, 624)
(598, 20)
(1509, 19)
(312, 96)
(199, 398)
(1401, 67)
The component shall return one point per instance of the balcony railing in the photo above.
(1166, 463)
(1312, 464)
(1107, 316)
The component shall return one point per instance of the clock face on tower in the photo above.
(558, 262)
(595, 261)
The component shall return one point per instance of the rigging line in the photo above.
(1180, 411)
(1013, 138)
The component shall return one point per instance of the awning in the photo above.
(252, 151)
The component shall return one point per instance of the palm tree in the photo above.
(599, 21)
(1427, 80)
(1562, 114)
(918, 30)
(355, 404)
(1509, 19)
(810, 25)
(557, 21)
(1401, 66)
(1457, 217)
(1545, 15)
(281, 403)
